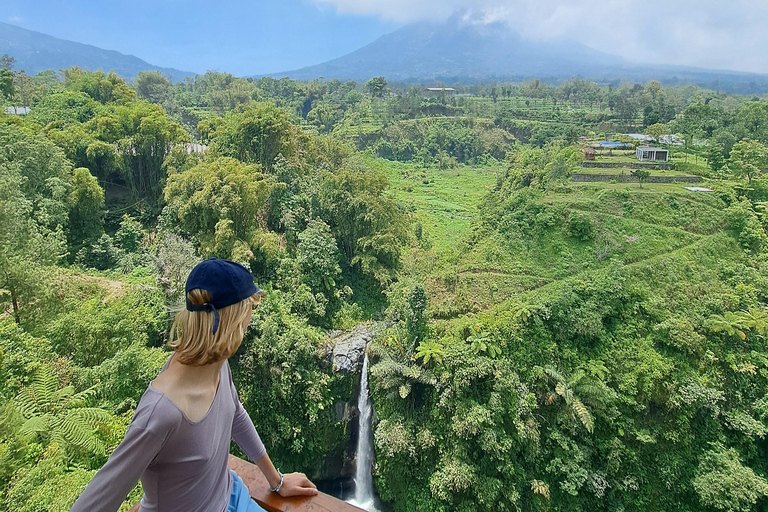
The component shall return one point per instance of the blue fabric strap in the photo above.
(206, 307)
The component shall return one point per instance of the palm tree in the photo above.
(394, 370)
(736, 323)
(430, 350)
(58, 414)
(575, 391)
(729, 323)
(756, 319)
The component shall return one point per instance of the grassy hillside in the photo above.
(535, 243)
(613, 287)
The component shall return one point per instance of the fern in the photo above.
(583, 414)
(36, 425)
(77, 431)
(59, 414)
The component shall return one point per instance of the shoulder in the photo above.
(154, 414)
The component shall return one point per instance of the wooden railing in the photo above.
(273, 502)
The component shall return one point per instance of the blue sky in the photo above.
(249, 37)
(241, 37)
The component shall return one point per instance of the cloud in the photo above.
(706, 33)
(15, 19)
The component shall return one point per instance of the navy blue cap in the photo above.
(227, 282)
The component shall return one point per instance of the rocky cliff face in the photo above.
(348, 348)
(344, 352)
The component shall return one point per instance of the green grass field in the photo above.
(470, 267)
(443, 201)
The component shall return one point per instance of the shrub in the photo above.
(723, 483)
(94, 330)
(580, 226)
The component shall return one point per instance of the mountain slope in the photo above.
(35, 52)
(470, 52)
(423, 51)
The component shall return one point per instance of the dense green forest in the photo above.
(545, 344)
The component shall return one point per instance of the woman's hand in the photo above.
(297, 484)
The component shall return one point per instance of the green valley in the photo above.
(535, 342)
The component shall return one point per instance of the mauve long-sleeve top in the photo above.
(182, 464)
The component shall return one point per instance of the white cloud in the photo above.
(707, 33)
(15, 19)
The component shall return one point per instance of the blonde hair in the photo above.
(191, 336)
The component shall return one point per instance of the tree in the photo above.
(574, 391)
(34, 213)
(697, 120)
(86, 215)
(752, 119)
(368, 225)
(394, 370)
(377, 87)
(175, 260)
(657, 130)
(641, 175)
(7, 62)
(748, 158)
(325, 116)
(25, 89)
(430, 350)
(65, 108)
(318, 258)
(104, 88)
(724, 483)
(736, 324)
(129, 236)
(6, 77)
(715, 156)
(219, 203)
(256, 135)
(146, 136)
(152, 86)
(6, 84)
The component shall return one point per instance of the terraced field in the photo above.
(471, 266)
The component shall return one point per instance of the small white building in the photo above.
(436, 91)
(17, 111)
(652, 154)
(671, 140)
(641, 137)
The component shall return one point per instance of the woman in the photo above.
(178, 441)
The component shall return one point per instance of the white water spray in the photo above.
(364, 496)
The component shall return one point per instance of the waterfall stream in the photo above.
(364, 493)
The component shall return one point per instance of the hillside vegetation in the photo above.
(545, 344)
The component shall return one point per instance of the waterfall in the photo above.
(364, 494)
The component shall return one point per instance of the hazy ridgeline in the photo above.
(550, 345)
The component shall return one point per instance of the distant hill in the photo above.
(456, 51)
(35, 52)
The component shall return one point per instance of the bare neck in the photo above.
(182, 376)
(204, 375)
(191, 388)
